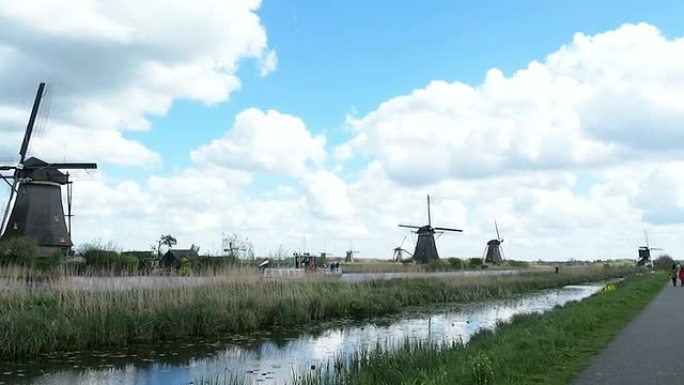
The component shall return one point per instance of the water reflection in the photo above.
(272, 359)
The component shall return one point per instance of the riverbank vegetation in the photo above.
(64, 317)
(96, 258)
(446, 264)
(550, 348)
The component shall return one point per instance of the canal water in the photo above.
(273, 358)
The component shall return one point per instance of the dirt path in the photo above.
(650, 350)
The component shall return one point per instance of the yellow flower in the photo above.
(608, 288)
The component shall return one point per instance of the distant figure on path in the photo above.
(673, 274)
(681, 276)
(557, 269)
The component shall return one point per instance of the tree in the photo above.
(238, 247)
(663, 262)
(474, 263)
(165, 240)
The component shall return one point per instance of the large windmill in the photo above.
(645, 252)
(34, 209)
(426, 250)
(493, 252)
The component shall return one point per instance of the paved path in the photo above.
(650, 350)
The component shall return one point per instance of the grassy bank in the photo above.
(550, 348)
(34, 322)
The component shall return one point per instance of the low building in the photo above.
(173, 257)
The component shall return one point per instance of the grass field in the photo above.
(37, 321)
(550, 348)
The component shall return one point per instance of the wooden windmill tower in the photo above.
(349, 254)
(493, 252)
(645, 253)
(426, 250)
(34, 209)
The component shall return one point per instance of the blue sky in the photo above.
(337, 57)
(558, 151)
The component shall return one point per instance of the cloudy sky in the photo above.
(321, 123)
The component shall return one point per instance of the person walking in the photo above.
(681, 276)
(673, 274)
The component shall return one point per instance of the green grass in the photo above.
(65, 319)
(550, 348)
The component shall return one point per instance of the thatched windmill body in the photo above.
(645, 252)
(426, 249)
(349, 255)
(34, 208)
(493, 252)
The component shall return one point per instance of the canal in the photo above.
(273, 357)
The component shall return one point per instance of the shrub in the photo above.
(455, 263)
(474, 263)
(437, 265)
(128, 262)
(18, 251)
(519, 264)
(663, 262)
(106, 257)
(185, 268)
(100, 257)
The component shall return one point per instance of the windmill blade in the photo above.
(5, 216)
(448, 229)
(31, 123)
(41, 118)
(428, 207)
(402, 241)
(410, 226)
(655, 248)
(73, 166)
(498, 237)
(646, 236)
(5, 178)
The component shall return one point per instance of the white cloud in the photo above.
(112, 64)
(268, 63)
(100, 144)
(265, 141)
(328, 195)
(595, 102)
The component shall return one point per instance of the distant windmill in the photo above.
(399, 251)
(645, 252)
(426, 250)
(232, 245)
(493, 252)
(349, 257)
(34, 208)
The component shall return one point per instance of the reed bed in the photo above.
(64, 318)
(381, 267)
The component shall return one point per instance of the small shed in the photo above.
(173, 257)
